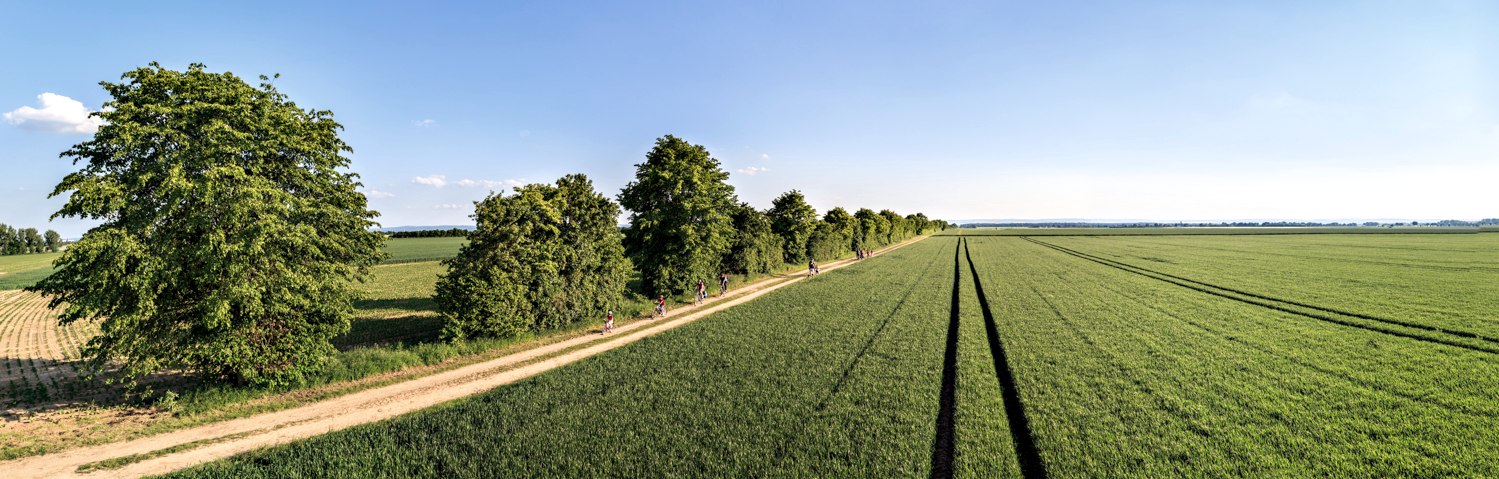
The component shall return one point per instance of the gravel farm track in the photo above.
(183, 448)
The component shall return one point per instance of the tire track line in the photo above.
(1029, 457)
(942, 444)
(1270, 303)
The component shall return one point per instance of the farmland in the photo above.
(1001, 356)
(21, 270)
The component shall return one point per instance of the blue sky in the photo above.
(1105, 110)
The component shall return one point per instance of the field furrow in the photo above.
(1132, 376)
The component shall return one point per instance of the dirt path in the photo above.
(219, 440)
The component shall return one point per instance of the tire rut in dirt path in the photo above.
(223, 439)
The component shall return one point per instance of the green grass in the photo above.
(838, 376)
(406, 250)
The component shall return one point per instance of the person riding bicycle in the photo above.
(702, 291)
(608, 323)
(723, 283)
(661, 306)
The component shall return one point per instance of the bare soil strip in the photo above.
(224, 439)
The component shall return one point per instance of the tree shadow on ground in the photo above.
(414, 304)
(398, 330)
(66, 389)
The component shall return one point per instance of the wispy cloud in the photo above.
(435, 181)
(378, 194)
(58, 114)
(440, 181)
(424, 123)
(449, 206)
(752, 170)
(765, 156)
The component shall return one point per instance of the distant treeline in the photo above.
(1236, 224)
(27, 240)
(430, 233)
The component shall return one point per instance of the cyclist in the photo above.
(702, 291)
(723, 283)
(608, 323)
(661, 306)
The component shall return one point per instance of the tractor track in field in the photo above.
(1031, 465)
(1435, 267)
(170, 451)
(1343, 375)
(1490, 345)
(943, 448)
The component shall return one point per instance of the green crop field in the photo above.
(20, 271)
(839, 376)
(1003, 356)
(407, 250)
(1213, 231)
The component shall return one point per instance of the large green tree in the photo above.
(231, 231)
(794, 220)
(544, 257)
(680, 226)
(33, 241)
(54, 240)
(897, 230)
(843, 225)
(873, 229)
(756, 250)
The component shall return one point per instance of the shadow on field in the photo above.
(422, 303)
(56, 386)
(406, 330)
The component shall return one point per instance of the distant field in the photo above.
(406, 250)
(1208, 231)
(1002, 356)
(21, 271)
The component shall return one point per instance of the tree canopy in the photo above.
(231, 231)
(680, 225)
(544, 257)
(794, 221)
(756, 250)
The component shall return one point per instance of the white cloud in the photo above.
(449, 206)
(439, 181)
(752, 170)
(378, 194)
(58, 114)
(424, 123)
(765, 156)
(435, 181)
